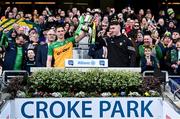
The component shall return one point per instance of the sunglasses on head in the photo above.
(136, 25)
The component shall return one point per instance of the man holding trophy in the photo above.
(62, 49)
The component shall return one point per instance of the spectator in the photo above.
(112, 14)
(121, 52)
(144, 24)
(175, 35)
(35, 15)
(104, 29)
(15, 54)
(148, 62)
(59, 11)
(10, 15)
(12, 36)
(105, 19)
(75, 21)
(121, 20)
(173, 59)
(162, 14)
(134, 31)
(149, 43)
(42, 50)
(16, 27)
(67, 20)
(42, 22)
(62, 15)
(165, 44)
(71, 30)
(74, 11)
(66, 27)
(51, 22)
(45, 14)
(155, 36)
(138, 41)
(21, 13)
(34, 40)
(30, 62)
(128, 25)
(161, 27)
(14, 11)
(7, 12)
(98, 50)
(70, 15)
(171, 26)
(171, 15)
(18, 16)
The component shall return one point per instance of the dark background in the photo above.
(154, 5)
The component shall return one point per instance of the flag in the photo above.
(6, 23)
(9, 27)
(27, 25)
(2, 21)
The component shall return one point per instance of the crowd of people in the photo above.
(126, 39)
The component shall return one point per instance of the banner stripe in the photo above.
(10, 21)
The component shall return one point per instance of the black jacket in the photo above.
(41, 55)
(121, 52)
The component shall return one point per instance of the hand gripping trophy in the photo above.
(84, 21)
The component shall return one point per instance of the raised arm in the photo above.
(80, 36)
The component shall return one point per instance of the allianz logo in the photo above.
(86, 62)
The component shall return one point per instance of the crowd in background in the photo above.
(126, 39)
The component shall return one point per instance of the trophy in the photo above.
(84, 22)
(88, 18)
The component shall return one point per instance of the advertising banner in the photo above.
(89, 108)
(169, 112)
(7, 112)
(86, 63)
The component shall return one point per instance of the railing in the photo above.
(80, 51)
(176, 90)
(1, 86)
(7, 75)
(162, 75)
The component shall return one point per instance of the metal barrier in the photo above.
(145, 73)
(1, 83)
(7, 74)
(81, 49)
(165, 77)
(79, 53)
(176, 91)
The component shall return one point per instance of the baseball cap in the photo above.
(170, 11)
